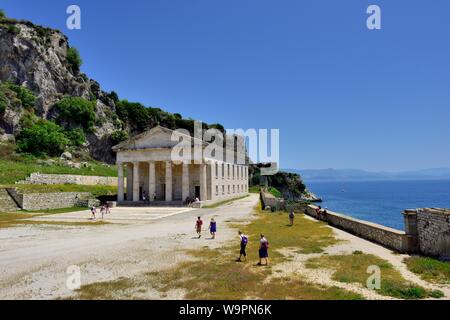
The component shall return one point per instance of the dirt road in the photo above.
(34, 258)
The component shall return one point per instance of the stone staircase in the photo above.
(7, 204)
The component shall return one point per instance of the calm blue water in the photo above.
(382, 201)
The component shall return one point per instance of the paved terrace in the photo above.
(118, 215)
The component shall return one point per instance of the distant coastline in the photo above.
(348, 175)
(382, 201)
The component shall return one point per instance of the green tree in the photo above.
(119, 136)
(42, 138)
(73, 59)
(77, 111)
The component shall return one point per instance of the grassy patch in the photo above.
(353, 269)
(221, 203)
(55, 211)
(254, 189)
(14, 219)
(13, 171)
(429, 269)
(275, 192)
(214, 274)
(96, 191)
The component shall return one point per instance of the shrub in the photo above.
(77, 111)
(13, 29)
(42, 138)
(23, 94)
(3, 101)
(114, 96)
(76, 137)
(119, 136)
(2, 15)
(74, 60)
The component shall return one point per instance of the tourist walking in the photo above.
(291, 217)
(213, 228)
(198, 226)
(107, 208)
(243, 239)
(103, 210)
(263, 250)
(93, 211)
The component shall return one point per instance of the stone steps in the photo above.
(7, 204)
(151, 204)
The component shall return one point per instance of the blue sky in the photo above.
(342, 96)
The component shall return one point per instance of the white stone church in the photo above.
(153, 176)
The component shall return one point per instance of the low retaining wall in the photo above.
(388, 237)
(269, 200)
(39, 178)
(44, 201)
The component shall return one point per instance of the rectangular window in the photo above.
(223, 190)
(228, 175)
(217, 190)
(228, 189)
(216, 167)
(223, 170)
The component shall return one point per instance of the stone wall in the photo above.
(39, 178)
(430, 229)
(388, 237)
(268, 200)
(44, 201)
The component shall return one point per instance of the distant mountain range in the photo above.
(317, 175)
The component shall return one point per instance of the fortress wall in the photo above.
(388, 237)
(58, 200)
(433, 231)
(39, 178)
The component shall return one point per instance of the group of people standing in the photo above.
(104, 209)
(263, 251)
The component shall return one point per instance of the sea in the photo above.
(381, 202)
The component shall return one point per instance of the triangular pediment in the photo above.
(157, 137)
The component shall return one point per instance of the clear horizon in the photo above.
(342, 96)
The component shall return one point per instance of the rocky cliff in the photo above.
(37, 58)
(42, 61)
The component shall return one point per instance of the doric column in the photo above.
(151, 180)
(168, 181)
(136, 181)
(203, 183)
(185, 182)
(129, 182)
(120, 182)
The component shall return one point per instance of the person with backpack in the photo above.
(198, 227)
(243, 243)
(291, 217)
(213, 228)
(263, 250)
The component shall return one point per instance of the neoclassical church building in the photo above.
(151, 174)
